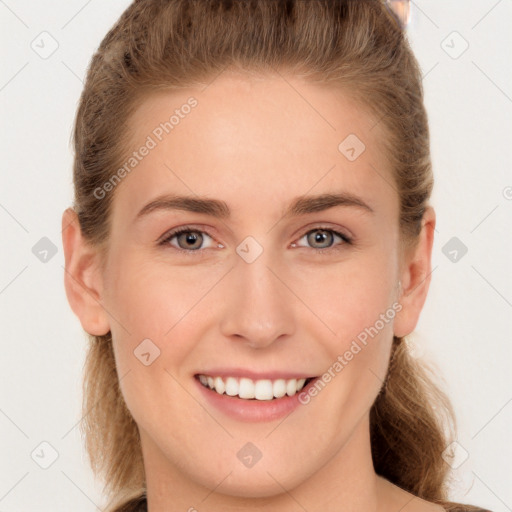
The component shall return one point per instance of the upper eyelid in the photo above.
(176, 231)
(336, 232)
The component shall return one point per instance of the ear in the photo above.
(415, 277)
(82, 277)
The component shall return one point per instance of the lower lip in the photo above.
(253, 410)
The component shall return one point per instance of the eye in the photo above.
(191, 240)
(321, 239)
(188, 239)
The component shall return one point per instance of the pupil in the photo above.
(321, 237)
(192, 238)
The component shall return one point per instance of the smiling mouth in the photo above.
(249, 389)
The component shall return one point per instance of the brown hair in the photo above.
(355, 45)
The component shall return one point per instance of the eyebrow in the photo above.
(301, 205)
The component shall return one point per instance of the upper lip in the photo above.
(253, 375)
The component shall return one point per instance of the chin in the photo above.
(252, 486)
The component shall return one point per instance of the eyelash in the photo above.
(198, 252)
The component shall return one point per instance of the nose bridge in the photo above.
(259, 308)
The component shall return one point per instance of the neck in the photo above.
(346, 482)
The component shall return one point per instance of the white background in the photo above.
(466, 327)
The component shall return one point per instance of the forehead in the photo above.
(242, 136)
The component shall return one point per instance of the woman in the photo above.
(249, 246)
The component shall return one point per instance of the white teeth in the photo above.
(231, 386)
(263, 389)
(291, 387)
(219, 385)
(279, 388)
(246, 389)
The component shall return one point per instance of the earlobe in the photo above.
(415, 277)
(82, 277)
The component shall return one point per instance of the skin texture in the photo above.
(256, 144)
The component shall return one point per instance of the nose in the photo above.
(258, 309)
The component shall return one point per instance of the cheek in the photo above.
(151, 298)
(356, 301)
(160, 316)
(350, 296)
(156, 329)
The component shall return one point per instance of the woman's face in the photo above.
(290, 271)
